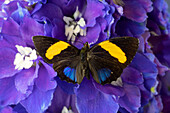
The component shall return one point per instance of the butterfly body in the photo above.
(104, 61)
(84, 59)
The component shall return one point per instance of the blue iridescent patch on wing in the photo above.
(103, 74)
(71, 73)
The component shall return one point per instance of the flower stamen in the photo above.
(65, 110)
(74, 27)
(24, 58)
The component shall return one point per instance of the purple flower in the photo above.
(77, 21)
(24, 77)
(29, 85)
(158, 21)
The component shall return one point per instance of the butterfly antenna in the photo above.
(81, 41)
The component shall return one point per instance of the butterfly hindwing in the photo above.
(108, 58)
(64, 57)
(69, 69)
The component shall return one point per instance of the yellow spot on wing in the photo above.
(56, 49)
(114, 51)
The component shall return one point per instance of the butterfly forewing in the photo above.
(64, 57)
(108, 58)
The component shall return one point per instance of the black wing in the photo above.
(104, 66)
(64, 57)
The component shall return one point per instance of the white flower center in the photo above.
(73, 27)
(7, 1)
(65, 110)
(24, 58)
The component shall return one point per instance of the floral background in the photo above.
(168, 4)
(29, 85)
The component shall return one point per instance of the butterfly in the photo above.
(105, 61)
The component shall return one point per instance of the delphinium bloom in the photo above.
(24, 77)
(27, 82)
(159, 25)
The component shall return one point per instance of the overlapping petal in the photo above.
(6, 61)
(41, 100)
(142, 7)
(94, 100)
(61, 99)
(35, 90)
(131, 100)
(9, 94)
(33, 84)
(27, 32)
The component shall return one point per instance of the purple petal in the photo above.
(19, 109)
(141, 8)
(45, 80)
(130, 28)
(69, 7)
(161, 68)
(31, 2)
(30, 28)
(1, 2)
(132, 76)
(145, 95)
(91, 37)
(166, 103)
(122, 110)
(49, 11)
(93, 10)
(161, 45)
(165, 83)
(11, 41)
(18, 14)
(2, 16)
(11, 7)
(131, 100)
(58, 30)
(61, 99)
(38, 101)
(150, 80)
(104, 27)
(35, 8)
(7, 57)
(96, 102)
(160, 15)
(8, 93)
(143, 39)
(65, 86)
(7, 109)
(26, 78)
(154, 106)
(48, 28)
(10, 27)
(86, 90)
(143, 64)
(110, 89)
(147, 68)
(152, 26)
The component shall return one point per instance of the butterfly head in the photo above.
(86, 46)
